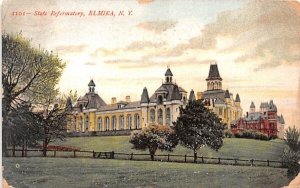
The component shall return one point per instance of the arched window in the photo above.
(168, 117)
(129, 121)
(160, 117)
(81, 124)
(87, 122)
(114, 122)
(107, 123)
(99, 124)
(152, 116)
(137, 121)
(121, 122)
(159, 99)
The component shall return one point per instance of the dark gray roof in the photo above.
(255, 116)
(252, 105)
(173, 92)
(237, 98)
(92, 83)
(192, 96)
(168, 72)
(219, 101)
(272, 106)
(182, 90)
(162, 89)
(264, 105)
(281, 119)
(145, 96)
(226, 95)
(130, 105)
(90, 100)
(214, 73)
(212, 94)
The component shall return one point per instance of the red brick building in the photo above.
(265, 120)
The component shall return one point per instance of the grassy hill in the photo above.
(233, 147)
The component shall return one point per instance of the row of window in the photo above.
(111, 123)
(160, 116)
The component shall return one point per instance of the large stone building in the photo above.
(220, 101)
(265, 120)
(90, 113)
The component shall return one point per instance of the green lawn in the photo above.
(232, 148)
(70, 172)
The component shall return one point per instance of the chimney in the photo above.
(127, 99)
(113, 100)
(247, 114)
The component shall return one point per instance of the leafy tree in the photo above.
(198, 127)
(292, 138)
(154, 137)
(291, 156)
(27, 75)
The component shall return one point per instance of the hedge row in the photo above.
(253, 134)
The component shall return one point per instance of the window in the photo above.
(137, 121)
(87, 122)
(121, 119)
(107, 123)
(114, 122)
(129, 121)
(160, 117)
(152, 116)
(159, 99)
(99, 124)
(168, 117)
(81, 124)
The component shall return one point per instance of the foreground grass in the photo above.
(61, 172)
(232, 148)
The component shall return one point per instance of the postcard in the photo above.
(150, 93)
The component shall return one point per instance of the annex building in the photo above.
(91, 113)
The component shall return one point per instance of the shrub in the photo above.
(228, 133)
(252, 134)
(291, 162)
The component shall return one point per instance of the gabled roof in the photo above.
(272, 106)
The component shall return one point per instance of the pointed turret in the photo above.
(91, 86)
(214, 80)
(69, 104)
(227, 95)
(237, 98)
(192, 96)
(252, 107)
(145, 96)
(168, 75)
(282, 120)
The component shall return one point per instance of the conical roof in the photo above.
(252, 105)
(168, 72)
(227, 95)
(237, 98)
(145, 96)
(92, 83)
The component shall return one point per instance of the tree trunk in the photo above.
(26, 147)
(45, 148)
(152, 151)
(23, 148)
(195, 156)
(14, 150)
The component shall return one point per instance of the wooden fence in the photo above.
(146, 157)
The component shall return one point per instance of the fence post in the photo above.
(168, 157)
(202, 159)
(74, 153)
(112, 154)
(219, 160)
(251, 162)
(185, 158)
(54, 153)
(93, 154)
(268, 162)
(131, 156)
(235, 161)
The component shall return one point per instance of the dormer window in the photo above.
(121, 106)
(159, 99)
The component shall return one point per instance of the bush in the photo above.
(291, 162)
(252, 134)
(228, 133)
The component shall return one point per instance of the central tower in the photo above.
(214, 80)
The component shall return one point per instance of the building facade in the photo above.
(92, 113)
(265, 120)
(220, 101)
